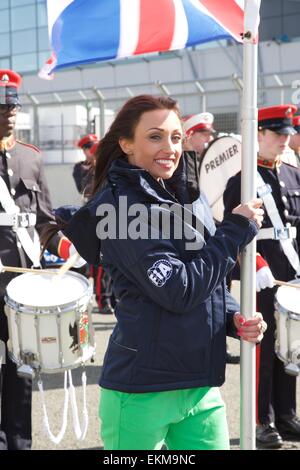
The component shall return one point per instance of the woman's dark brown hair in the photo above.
(124, 126)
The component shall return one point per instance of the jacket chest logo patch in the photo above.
(160, 272)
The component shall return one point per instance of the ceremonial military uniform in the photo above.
(21, 169)
(276, 389)
(199, 131)
(83, 172)
(21, 172)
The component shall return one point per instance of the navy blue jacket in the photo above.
(173, 311)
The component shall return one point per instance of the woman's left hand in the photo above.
(251, 330)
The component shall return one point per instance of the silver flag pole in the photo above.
(249, 168)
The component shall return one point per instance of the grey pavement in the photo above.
(53, 384)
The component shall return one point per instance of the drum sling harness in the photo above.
(19, 221)
(264, 192)
(80, 430)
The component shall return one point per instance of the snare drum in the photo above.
(287, 314)
(49, 321)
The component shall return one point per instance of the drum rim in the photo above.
(281, 310)
(278, 304)
(44, 370)
(26, 309)
(62, 307)
(282, 314)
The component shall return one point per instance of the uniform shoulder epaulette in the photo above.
(33, 147)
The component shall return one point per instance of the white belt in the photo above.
(277, 233)
(265, 192)
(21, 219)
(31, 247)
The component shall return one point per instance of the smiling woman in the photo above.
(166, 356)
(157, 143)
(148, 133)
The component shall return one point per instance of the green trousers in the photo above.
(191, 419)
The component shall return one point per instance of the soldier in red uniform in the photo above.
(24, 203)
(83, 172)
(280, 182)
(199, 131)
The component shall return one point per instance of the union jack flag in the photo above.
(84, 31)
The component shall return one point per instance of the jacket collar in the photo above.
(271, 164)
(7, 144)
(182, 187)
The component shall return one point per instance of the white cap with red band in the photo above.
(199, 122)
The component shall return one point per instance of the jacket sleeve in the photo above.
(232, 194)
(78, 175)
(157, 269)
(82, 231)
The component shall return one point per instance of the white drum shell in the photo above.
(220, 161)
(46, 338)
(287, 343)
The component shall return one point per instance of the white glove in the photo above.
(2, 270)
(264, 278)
(79, 261)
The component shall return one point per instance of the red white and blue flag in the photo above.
(85, 31)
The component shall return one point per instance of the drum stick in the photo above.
(68, 264)
(287, 284)
(14, 269)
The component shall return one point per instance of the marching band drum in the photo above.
(287, 315)
(221, 160)
(50, 331)
(49, 321)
